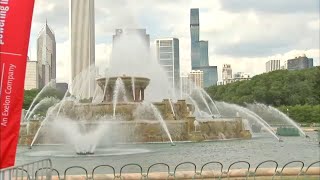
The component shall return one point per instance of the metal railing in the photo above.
(35, 170)
(42, 170)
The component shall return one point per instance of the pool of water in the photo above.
(255, 150)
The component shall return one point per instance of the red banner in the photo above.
(15, 24)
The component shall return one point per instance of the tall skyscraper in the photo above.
(301, 62)
(82, 39)
(46, 56)
(82, 35)
(195, 36)
(272, 65)
(168, 58)
(199, 52)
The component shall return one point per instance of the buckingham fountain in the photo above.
(133, 102)
(124, 117)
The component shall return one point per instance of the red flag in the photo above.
(15, 24)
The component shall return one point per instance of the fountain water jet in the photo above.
(172, 109)
(160, 119)
(212, 102)
(252, 115)
(119, 88)
(204, 100)
(50, 84)
(133, 89)
(275, 112)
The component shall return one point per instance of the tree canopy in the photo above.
(277, 88)
(29, 95)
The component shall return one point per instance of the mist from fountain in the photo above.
(274, 113)
(250, 116)
(48, 116)
(83, 139)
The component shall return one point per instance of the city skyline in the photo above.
(257, 47)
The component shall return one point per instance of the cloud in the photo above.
(272, 6)
(239, 32)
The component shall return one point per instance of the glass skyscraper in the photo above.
(199, 52)
(194, 32)
(168, 58)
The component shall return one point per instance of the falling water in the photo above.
(48, 116)
(95, 93)
(282, 116)
(213, 103)
(105, 86)
(50, 84)
(287, 119)
(160, 119)
(254, 116)
(37, 133)
(133, 88)
(204, 100)
(62, 102)
(172, 109)
(50, 100)
(119, 88)
(196, 107)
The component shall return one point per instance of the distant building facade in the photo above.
(32, 75)
(168, 57)
(46, 56)
(241, 76)
(298, 63)
(272, 65)
(199, 51)
(196, 78)
(184, 85)
(210, 76)
(82, 39)
(226, 74)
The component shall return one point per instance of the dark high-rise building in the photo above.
(301, 62)
(195, 36)
(199, 52)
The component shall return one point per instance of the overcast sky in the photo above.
(243, 33)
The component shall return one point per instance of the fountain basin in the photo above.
(134, 87)
(141, 131)
(287, 131)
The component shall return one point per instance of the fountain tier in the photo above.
(123, 117)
